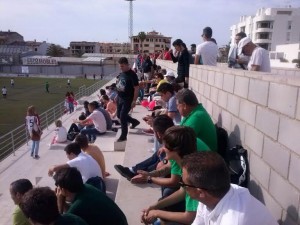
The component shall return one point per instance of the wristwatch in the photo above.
(149, 180)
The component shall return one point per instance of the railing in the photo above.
(11, 141)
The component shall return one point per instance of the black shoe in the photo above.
(121, 139)
(134, 124)
(114, 129)
(36, 157)
(124, 171)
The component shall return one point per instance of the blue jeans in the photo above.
(35, 148)
(98, 183)
(148, 164)
(91, 133)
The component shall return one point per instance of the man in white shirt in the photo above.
(208, 50)
(206, 178)
(259, 60)
(86, 165)
(97, 118)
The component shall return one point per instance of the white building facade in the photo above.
(270, 27)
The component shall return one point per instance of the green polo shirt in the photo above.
(200, 121)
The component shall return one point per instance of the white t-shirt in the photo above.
(4, 91)
(61, 134)
(260, 57)
(87, 166)
(237, 207)
(208, 51)
(98, 120)
(32, 123)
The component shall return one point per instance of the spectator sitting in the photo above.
(219, 201)
(17, 190)
(160, 124)
(85, 201)
(86, 108)
(60, 133)
(77, 128)
(97, 118)
(195, 116)
(170, 77)
(92, 150)
(88, 167)
(40, 207)
(178, 141)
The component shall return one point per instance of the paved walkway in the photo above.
(23, 166)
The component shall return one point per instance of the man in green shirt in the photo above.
(195, 116)
(84, 200)
(17, 189)
(40, 206)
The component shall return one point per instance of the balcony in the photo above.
(262, 41)
(264, 29)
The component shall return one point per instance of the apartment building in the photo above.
(270, 27)
(153, 42)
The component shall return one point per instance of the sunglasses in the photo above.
(184, 185)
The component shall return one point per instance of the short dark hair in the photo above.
(166, 48)
(123, 60)
(82, 117)
(105, 97)
(85, 104)
(177, 42)
(159, 75)
(241, 34)
(207, 32)
(187, 96)
(70, 179)
(163, 71)
(21, 186)
(40, 205)
(82, 140)
(161, 123)
(165, 87)
(102, 92)
(73, 148)
(94, 104)
(209, 171)
(180, 139)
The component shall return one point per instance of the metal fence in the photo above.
(11, 141)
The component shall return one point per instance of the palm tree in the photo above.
(142, 37)
(55, 51)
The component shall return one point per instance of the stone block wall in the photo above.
(262, 113)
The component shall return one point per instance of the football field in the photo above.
(32, 91)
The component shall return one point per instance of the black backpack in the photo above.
(238, 165)
(236, 158)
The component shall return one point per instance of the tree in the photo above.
(142, 37)
(55, 51)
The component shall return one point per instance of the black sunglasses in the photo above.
(182, 184)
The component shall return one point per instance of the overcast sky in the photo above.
(63, 21)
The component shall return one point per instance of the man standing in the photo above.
(205, 178)
(4, 92)
(208, 50)
(69, 83)
(128, 88)
(234, 59)
(47, 87)
(12, 82)
(259, 60)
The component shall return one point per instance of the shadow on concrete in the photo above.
(256, 191)
(235, 137)
(291, 217)
(111, 187)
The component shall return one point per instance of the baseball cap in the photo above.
(243, 42)
(207, 32)
(170, 74)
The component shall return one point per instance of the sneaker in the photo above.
(114, 129)
(148, 132)
(36, 157)
(134, 124)
(124, 171)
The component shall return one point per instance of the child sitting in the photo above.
(60, 133)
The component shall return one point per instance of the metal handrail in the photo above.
(11, 141)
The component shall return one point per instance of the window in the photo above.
(289, 25)
(284, 12)
(157, 46)
(146, 45)
(243, 29)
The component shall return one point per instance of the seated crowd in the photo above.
(194, 179)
